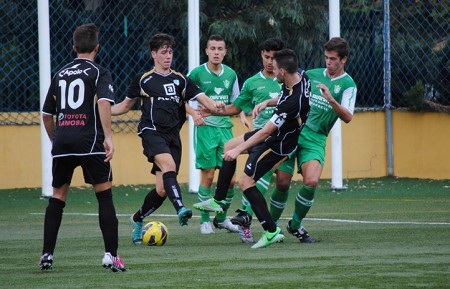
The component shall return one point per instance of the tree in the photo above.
(245, 24)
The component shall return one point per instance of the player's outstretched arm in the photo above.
(261, 106)
(230, 109)
(255, 139)
(123, 107)
(213, 106)
(196, 115)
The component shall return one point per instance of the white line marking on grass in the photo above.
(309, 219)
(378, 222)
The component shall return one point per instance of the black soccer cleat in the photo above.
(242, 218)
(301, 234)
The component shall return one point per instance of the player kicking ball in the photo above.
(267, 147)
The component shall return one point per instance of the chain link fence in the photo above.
(419, 40)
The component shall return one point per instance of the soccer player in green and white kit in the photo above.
(256, 89)
(220, 83)
(333, 95)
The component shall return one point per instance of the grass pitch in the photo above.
(380, 233)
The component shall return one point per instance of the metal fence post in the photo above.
(387, 85)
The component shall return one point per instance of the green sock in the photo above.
(203, 195)
(222, 216)
(263, 183)
(278, 202)
(303, 202)
(246, 205)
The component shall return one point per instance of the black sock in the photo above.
(223, 182)
(173, 189)
(109, 225)
(260, 208)
(151, 203)
(52, 221)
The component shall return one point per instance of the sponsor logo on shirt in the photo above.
(218, 90)
(320, 102)
(169, 89)
(71, 119)
(274, 94)
(74, 70)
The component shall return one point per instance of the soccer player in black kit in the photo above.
(80, 95)
(267, 147)
(164, 93)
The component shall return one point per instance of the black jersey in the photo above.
(290, 116)
(73, 95)
(163, 99)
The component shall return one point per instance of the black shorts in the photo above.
(261, 159)
(248, 135)
(155, 143)
(95, 170)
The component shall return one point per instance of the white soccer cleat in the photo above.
(206, 228)
(226, 225)
(107, 260)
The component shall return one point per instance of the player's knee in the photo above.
(311, 182)
(241, 184)
(208, 176)
(283, 181)
(246, 182)
(283, 186)
(161, 192)
(233, 181)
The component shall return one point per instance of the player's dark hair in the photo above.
(85, 38)
(216, 37)
(339, 45)
(272, 44)
(286, 59)
(160, 40)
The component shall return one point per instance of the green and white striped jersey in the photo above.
(219, 87)
(322, 116)
(255, 90)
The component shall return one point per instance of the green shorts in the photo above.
(209, 143)
(288, 165)
(311, 146)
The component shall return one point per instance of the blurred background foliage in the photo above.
(419, 43)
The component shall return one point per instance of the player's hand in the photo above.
(325, 92)
(204, 111)
(109, 149)
(245, 122)
(198, 118)
(220, 106)
(231, 155)
(258, 108)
